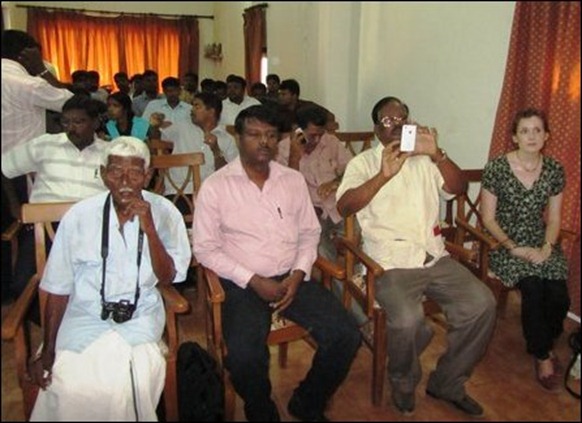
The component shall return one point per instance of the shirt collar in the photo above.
(236, 169)
(13, 65)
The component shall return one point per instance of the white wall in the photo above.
(228, 30)
(445, 60)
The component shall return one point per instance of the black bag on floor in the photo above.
(200, 388)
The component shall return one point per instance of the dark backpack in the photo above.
(200, 387)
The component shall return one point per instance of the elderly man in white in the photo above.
(104, 316)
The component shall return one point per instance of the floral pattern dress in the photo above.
(520, 213)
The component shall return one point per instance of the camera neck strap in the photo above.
(105, 250)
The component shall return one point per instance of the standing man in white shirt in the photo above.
(29, 89)
(236, 99)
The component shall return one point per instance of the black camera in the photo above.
(120, 312)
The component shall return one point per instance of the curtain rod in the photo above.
(257, 6)
(115, 13)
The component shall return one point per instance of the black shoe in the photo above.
(298, 410)
(466, 404)
(404, 403)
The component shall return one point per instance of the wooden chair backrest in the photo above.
(42, 216)
(464, 206)
(158, 147)
(163, 178)
(353, 139)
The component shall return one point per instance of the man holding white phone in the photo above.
(394, 189)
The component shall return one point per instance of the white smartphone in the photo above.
(408, 138)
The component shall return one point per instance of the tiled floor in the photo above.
(503, 382)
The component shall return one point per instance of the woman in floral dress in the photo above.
(518, 189)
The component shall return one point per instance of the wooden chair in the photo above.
(360, 287)
(158, 147)
(282, 331)
(163, 178)
(16, 328)
(352, 138)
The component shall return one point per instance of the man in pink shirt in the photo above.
(321, 158)
(255, 226)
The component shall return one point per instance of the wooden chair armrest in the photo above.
(459, 251)
(173, 300)
(370, 264)
(478, 234)
(12, 231)
(330, 268)
(215, 291)
(16, 315)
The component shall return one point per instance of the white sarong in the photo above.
(96, 384)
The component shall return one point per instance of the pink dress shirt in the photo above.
(240, 230)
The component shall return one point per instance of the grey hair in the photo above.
(125, 146)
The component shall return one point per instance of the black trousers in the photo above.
(246, 325)
(544, 305)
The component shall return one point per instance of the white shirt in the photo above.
(63, 172)
(189, 138)
(25, 99)
(74, 268)
(398, 225)
(231, 110)
(180, 113)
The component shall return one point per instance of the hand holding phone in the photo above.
(408, 138)
(300, 136)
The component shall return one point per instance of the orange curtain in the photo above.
(543, 71)
(73, 41)
(255, 33)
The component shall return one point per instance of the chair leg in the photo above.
(502, 295)
(379, 358)
(171, 392)
(283, 348)
(229, 399)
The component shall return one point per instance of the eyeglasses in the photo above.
(390, 121)
(133, 173)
